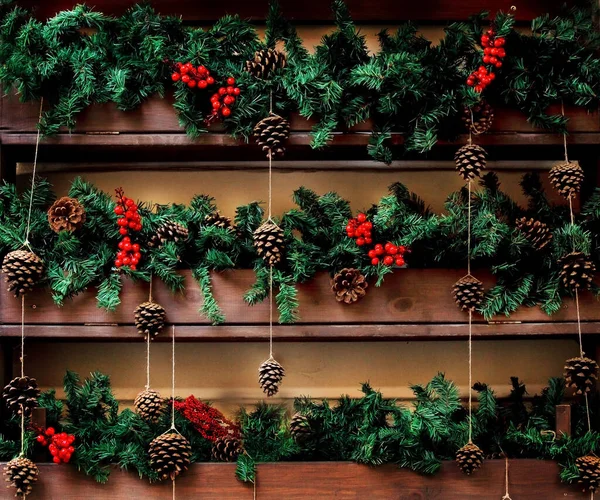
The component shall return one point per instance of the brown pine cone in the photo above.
(581, 374)
(21, 395)
(21, 473)
(149, 405)
(218, 220)
(577, 271)
(226, 449)
(536, 232)
(479, 118)
(23, 270)
(269, 243)
(266, 63)
(589, 472)
(469, 458)
(349, 285)
(300, 427)
(169, 231)
(170, 455)
(470, 161)
(270, 375)
(468, 293)
(271, 134)
(66, 214)
(567, 178)
(150, 318)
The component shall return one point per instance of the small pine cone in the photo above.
(581, 374)
(218, 220)
(536, 232)
(349, 285)
(169, 231)
(266, 62)
(479, 118)
(271, 133)
(170, 455)
(21, 473)
(470, 161)
(21, 394)
(149, 405)
(300, 427)
(577, 271)
(226, 449)
(270, 375)
(468, 293)
(567, 178)
(66, 214)
(589, 472)
(269, 242)
(150, 318)
(23, 271)
(469, 458)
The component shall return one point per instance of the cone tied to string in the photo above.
(21, 395)
(468, 293)
(169, 231)
(217, 220)
(349, 285)
(271, 133)
(300, 427)
(469, 458)
(66, 214)
(21, 474)
(150, 318)
(23, 270)
(226, 449)
(577, 271)
(470, 161)
(170, 455)
(149, 405)
(567, 178)
(479, 118)
(589, 472)
(581, 374)
(536, 232)
(269, 242)
(266, 63)
(270, 375)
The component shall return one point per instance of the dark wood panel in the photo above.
(528, 480)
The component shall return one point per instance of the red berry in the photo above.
(127, 246)
(478, 88)
(387, 247)
(498, 64)
(486, 59)
(388, 261)
(138, 227)
(50, 431)
(368, 240)
(498, 42)
(482, 69)
(40, 439)
(70, 448)
(129, 203)
(485, 39)
(119, 210)
(184, 69)
(56, 460)
(133, 267)
(127, 239)
(393, 250)
(132, 225)
(67, 458)
(369, 225)
(202, 84)
(379, 249)
(216, 104)
(229, 100)
(470, 82)
(126, 261)
(185, 78)
(236, 91)
(135, 247)
(210, 80)
(361, 217)
(493, 60)
(230, 81)
(399, 261)
(501, 53)
(230, 90)
(202, 70)
(360, 241)
(118, 263)
(375, 261)
(401, 249)
(222, 91)
(492, 76)
(191, 84)
(225, 111)
(351, 234)
(123, 231)
(372, 254)
(175, 77)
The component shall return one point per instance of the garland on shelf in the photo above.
(411, 85)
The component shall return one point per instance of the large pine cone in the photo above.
(479, 118)
(468, 293)
(270, 375)
(21, 473)
(170, 455)
(150, 318)
(218, 220)
(269, 242)
(300, 427)
(23, 271)
(271, 133)
(536, 232)
(581, 374)
(226, 449)
(21, 394)
(577, 271)
(66, 214)
(149, 405)
(470, 161)
(349, 285)
(169, 231)
(589, 472)
(266, 62)
(567, 178)
(469, 458)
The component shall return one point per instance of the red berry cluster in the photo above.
(223, 99)
(493, 53)
(360, 228)
(60, 445)
(192, 76)
(207, 420)
(128, 219)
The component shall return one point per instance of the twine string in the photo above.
(173, 380)
(470, 378)
(35, 158)
(22, 357)
(469, 232)
(150, 291)
(506, 495)
(22, 432)
(562, 110)
(147, 361)
(271, 312)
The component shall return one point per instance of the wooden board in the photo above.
(528, 480)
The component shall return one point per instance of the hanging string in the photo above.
(469, 232)
(506, 495)
(271, 312)
(470, 378)
(35, 157)
(562, 110)
(22, 360)
(173, 381)
(148, 342)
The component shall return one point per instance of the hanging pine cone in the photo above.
(567, 178)
(150, 318)
(226, 449)
(66, 214)
(589, 472)
(169, 231)
(468, 293)
(536, 232)
(271, 133)
(269, 242)
(23, 271)
(169, 455)
(218, 220)
(577, 271)
(300, 427)
(469, 458)
(581, 374)
(21, 473)
(270, 375)
(349, 285)
(266, 62)
(149, 405)
(470, 161)
(479, 118)
(21, 394)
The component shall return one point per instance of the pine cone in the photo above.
(589, 472)
(169, 231)
(300, 427)
(469, 458)
(149, 405)
(218, 220)
(536, 232)
(349, 285)
(21, 473)
(581, 374)
(468, 293)
(269, 243)
(23, 270)
(567, 178)
(270, 375)
(226, 449)
(577, 271)
(470, 161)
(479, 118)
(21, 394)
(150, 318)
(66, 214)
(170, 455)
(271, 133)
(266, 62)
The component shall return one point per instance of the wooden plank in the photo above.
(528, 480)
(563, 420)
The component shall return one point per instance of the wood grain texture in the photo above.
(528, 480)
(563, 419)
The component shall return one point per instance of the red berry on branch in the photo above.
(40, 439)
(498, 42)
(393, 250)
(210, 80)
(184, 69)
(501, 53)
(191, 84)
(176, 77)
(118, 263)
(50, 431)
(236, 91)
(486, 59)
(119, 210)
(56, 460)
(388, 261)
(135, 247)
(361, 217)
(229, 100)
(375, 261)
(225, 111)
(498, 64)
(123, 231)
(185, 78)
(230, 90)
(230, 81)
(372, 254)
(202, 84)
(368, 240)
(379, 249)
(360, 242)
(387, 247)
(493, 60)
(478, 88)
(202, 70)
(216, 104)
(399, 261)
(222, 91)
(133, 267)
